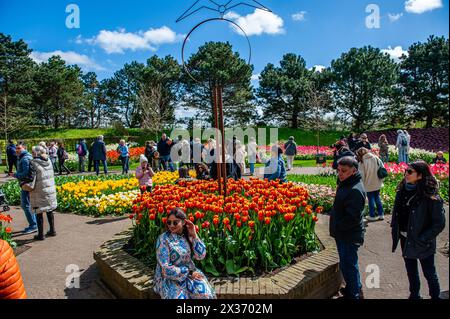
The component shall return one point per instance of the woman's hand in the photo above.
(191, 228)
(196, 275)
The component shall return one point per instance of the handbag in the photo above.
(382, 171)
(29, 186)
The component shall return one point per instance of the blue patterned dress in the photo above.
(172, 281)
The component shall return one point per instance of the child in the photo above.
(144, 174)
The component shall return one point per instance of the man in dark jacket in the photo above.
(163, 148)
(23, 175)
(99, 155)
(11, 157)
(363, 142)
(290, 150)
(347, 224)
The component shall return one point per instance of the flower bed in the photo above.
(260, 225)
(112, 156)
(5, 229)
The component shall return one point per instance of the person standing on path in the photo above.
(418, 217)
(252, 154)
(52, 153)
(91, 157)
(11, 157)
(99, 155)
(383, 144)
(290, 150)
(164, 152)
(62, 157)
(124, 156)
(402, 146)
(43, 197)
(369, 164)
(23, 175)
(408, 147)
(82, 152)
(347, 225)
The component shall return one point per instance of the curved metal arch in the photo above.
(199, 25)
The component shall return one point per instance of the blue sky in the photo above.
(113, 33)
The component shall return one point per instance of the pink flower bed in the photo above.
(441, 171)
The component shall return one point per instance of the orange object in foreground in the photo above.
(11, 284)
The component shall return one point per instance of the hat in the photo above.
(142, 159)
(291, 138)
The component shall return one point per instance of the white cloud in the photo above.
(395, 17)
(395, 53)
(70, 57)
(318, 68)
(258, 23)
(299, 16)
(120, 41)
(421, 6)
(255, 77)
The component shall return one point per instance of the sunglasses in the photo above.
(175, 222)
(409, 171)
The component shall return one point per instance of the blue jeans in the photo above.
(348, 264)
(166, 159)
(125, 161)
(402, 156)
(25, 204)
(252, 168)
(97, 166)
(374, 198)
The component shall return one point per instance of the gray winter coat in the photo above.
(43, 197)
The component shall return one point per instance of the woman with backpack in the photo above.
(290, 150)
(402, 146)
(82, 152)
(369, 164)
(124, 156)
(62, 157)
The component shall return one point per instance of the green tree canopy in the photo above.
(362, 83)
(424, 80)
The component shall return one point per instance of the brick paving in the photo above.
(43, 266)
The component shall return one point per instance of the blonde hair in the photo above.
(361, 152)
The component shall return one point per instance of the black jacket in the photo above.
(346, 216)
(340, 155)
(163, 148)
(426, 222)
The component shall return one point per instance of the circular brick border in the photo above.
(315, 277)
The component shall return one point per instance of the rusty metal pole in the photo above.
(217, 125)
(222, 131)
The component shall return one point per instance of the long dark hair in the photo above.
(428, 186)
(179, 213)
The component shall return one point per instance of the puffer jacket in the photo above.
(369, 172)
(11, 284)
(43, 197)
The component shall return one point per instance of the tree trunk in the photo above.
(429, 123)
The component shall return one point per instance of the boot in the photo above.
(51, 222)
(40, 227)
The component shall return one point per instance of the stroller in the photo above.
(3, 202)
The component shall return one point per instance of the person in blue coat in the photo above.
(23, 176)
(275, 168)
(11, 157)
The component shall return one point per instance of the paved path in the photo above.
(43, 265)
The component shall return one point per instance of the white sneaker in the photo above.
(381, 217)
(371, 219)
